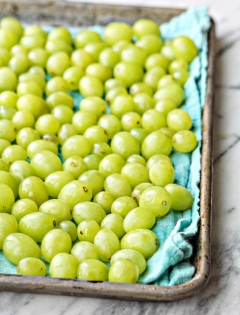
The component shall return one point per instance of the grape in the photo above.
(38, 57)
(156, 60)
(7, 130)
(99, 71)
(59, 98)
(87, 229)
(109, 58)
(184, 141)
(184, 48)
(39, 145)
(75, 166)
(63, 265)
(31, 266)
(132, 255)
(110, 164)
(58, 208)
(19, 63)
(139, 189)
(136, 158)
(181, 76)
(143, 240)
(76, 145)
(101, 148)
(182, 198)
(123, 270)
(105, 200)
(157, 157)
(33, 188)
(130, 120)
(4, 165)
(57, 63)
(139, 218)
(117, 185)
(107, 244)
(179, 119)
(63, 114)
(124, 144)
(84, 250)
(135, 173)
(171, 91)
(150, 43)
(165, 106)
(91, 86)
(145, 26)
(134, 54)
(86, 210)
(92, 161)
(14, 153)
(21, 169)
(139, 133)
(128, 72)
(72, 76)
(23, 207)
(95, 134)
(157, 199)
(114, 222)
(56, 84)
(36, 77)
(66, 131)
(161, 173)
(8, 225)
(95, 48)
(32, 41)
(177, 64)
(152, 76)
(8, 98)
(167, 79)
(10, 180)
(60, 32)
(37, 224)
(33, 103)
(81, 58)
(116, 31)
(95, 105)
(95, 179)
(153, 120)
(47, 124)
(86, 36)
(75, 192)
(69, 227)
(114, 92)
(81, 120)
(34, 30)
(143, 101)
(17, 246)
(7, 38)
(120, 45)
(140, 87)
(7, 112)
(92, 270)
(121, 105)
(156, 142)
(23, 119)
(168, 132)
(123, 205)
(13, 24)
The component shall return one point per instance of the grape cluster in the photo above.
(82, 185)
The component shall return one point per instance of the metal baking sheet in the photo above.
(81, 14)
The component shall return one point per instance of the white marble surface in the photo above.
(222, 295)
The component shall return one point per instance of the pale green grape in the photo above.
(7, 38)
(63, 265)
(69, 227)
(140, 87)
(19, 63)
(21, 169)
(23, 207)
(167, 79)
(130, 120)
(111, 163)
(135, 173)
(12, 23)
(99, 71)
(58, 208)
(91, 86)
(124, 271)
(87, 210)
(156, 142)
(81, 120)
(138, 190)
(59, 98)
(165, 106)
(95, 134)
(92, 270)
(157, 157)
(31, 266)
(14, 153)
(152, 76)
(95, 179)
(17, 246)
(125, 144)
(4, 165)
(114, 92)
(120, 45)
(184, 141)
(32, 41)
(27, 135)
(33, 103)
(56, 45)
(105, 200)
(47, 124)
(86, 36)
(143, 101)
(134, 54)
(10, 180)
(39, 145)
(92, 161)
(8, 225)
(128, 72)
(34, 29)
(171, 91)
(76, 145)
(110, 123)
(184, 48)
(114, 222)
(107, 244)
(62, 33)
(182, 199)
(153, 120)
(56, 84)
(151, 43)
(109, 58)
(87, 229)
(57, 63)
(139, 133)
(63, 114)
(179, 119)
(113, 83)
(72, 76)
(66, 131)
(7, 130)
(123, 205)
(84, 250)
(161, 173)
(136, 158)
(81, 58)
(23, 119)
(94, 104)
(177, 64)
(157, 59)
(36, 77)
(117, 185)
(38, 57)
(143, 240)
(144, 26)
(7, 112)
(8, 98)
(101, 148)
(139, 218)
(95, 49)
(121, 105)
(75, 166)
(116, 31)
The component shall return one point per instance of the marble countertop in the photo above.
(222, 294)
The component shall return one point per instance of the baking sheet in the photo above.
(60, 13)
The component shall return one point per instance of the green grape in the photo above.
(172, 91)
(123, 270)
(142, 240)
(181, 76)
(114, 92)
(37, 224)
(31, 266)
(58, 208)
(5, 56)
(95, 48)
(139, 133)
(84, 250)
(132, 255)
(21, 169)
(38, 57)
(128, 72)
(13, 24)
(105, 200)
(165, 106)
(33, 188)
(56, 84)
(17, 246)
(161, 173)
(7, 198)
(10, 180)
(122, 205)
(150, 43)
(140, 87)
(167, 50)
(116, 31)
(91, 86)
(23, 207)
(87, 229)
(32, 41)
(4, 165)
(63, 114)
(27, 135)
(99, 71)
(95, 105)
(8, 225)
(135, 173)
(152, 76)
(154, 143)
(92, 161)
(143, 101)
(184, 48)
(69, 227)
(107, 244)
(7, 112)
(8, 79)
(177, 64)
(139, 218)
(110, 164)
(63, 265)
(125, 144)
(23, 119)
(76, 145)
(37, 70)
(120, 45)
(44, 163)
(113, 222)
(157, 199)
(66, 131)
(145, 26)
(95, 179)
(81, 58)
(136, 158)
(39, 145)
(59, 98)
(87, 210)
(34, 30)
(182, 198)
(157, 60)
(75, 192)
(57, 63)
(54, 242)
(153, 120)
(72, 76)
(7, 130)
(139, 189)
(75, 166)
(60, 32)
(95, 134)
(47, 124)
(184, 141)
(85, 37)
(36, 77)
(130, 120)
(14, 153)
(8, 98)
(32, 103)
(92, 270)
(134, 54)
(101, 148)
(168, 131)
(121, 105)
(7, 38)
(82, 120)
(109, 58)
(156, 158)
(179, 119)
(167, 79)
(19, 63)
(117, 185)
(113, 83)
